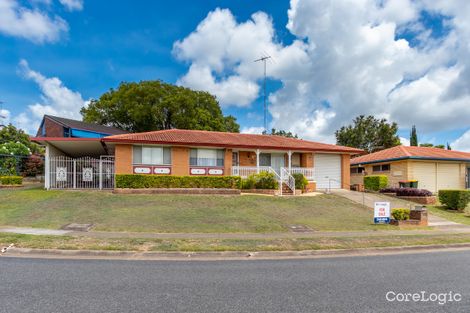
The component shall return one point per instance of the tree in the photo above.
(154, 105)
(448, 147)
(368, 133)
(413, 137)
(279, 132)
(430, 145)
(11, 134)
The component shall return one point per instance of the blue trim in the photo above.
(78, 133)
(412, 158)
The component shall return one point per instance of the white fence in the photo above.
(245, 171)
(80, 173)
(308, 172)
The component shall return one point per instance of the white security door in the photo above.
(425, 174)
(277, 161)
(327, 170)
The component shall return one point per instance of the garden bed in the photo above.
(272, 192)
(10, 186)
(420, 200)
(178, 191)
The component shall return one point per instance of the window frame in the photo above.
(381, 168)
(217, 159)
(359, 170)
(152, 147)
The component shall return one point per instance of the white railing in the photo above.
(308, 172)
(287, 179)
(245, 171)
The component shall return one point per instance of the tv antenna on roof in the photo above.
(264, 59)
(2, 117)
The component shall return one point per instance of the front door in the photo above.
(277, 161)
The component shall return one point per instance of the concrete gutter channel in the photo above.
(229, 255)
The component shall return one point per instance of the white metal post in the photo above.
(101, 174)
(74, 174)
(47, 169)
(257, 161)
(289, 153)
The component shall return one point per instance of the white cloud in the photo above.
(72, 5)
(57, 99)
(252, 130)
(462, 143)
(346, 59)
(404, 141)
(31, 24)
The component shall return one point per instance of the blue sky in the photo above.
(404, 60)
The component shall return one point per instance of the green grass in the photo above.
(193, 245)
(181, 213)
(462, 217)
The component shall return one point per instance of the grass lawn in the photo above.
(451, 215)
(181, 213)
(322, 243)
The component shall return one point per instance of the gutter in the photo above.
(411, 158)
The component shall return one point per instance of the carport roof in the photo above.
(76, 147)
(405, 152)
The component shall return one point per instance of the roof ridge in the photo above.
(404, 150)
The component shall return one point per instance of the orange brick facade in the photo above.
(180, 162)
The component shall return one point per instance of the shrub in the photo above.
(262, 180)
(407, 192)
(34, 166)
(300, 181)
(249, 182)
(8, 166)
(454, 199)
(401, 214)
(375, 182)
(154, 181)
(11, 180)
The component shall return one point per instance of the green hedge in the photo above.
(375, 182)
(454, 199)
(300, 181)
(401, 214)
(263, 180)
(154, 181)
(11, 180)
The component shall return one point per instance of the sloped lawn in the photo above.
(181, 213)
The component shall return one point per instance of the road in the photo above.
(350, 284)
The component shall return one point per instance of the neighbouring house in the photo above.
(192, 152)
(53, 126)
(433, 168)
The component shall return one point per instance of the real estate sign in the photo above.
(382, 212)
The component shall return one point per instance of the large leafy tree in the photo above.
(154, 105)
(10, 134)
(368, 133)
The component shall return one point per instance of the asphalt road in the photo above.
(353, 284)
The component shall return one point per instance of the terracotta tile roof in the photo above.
(405, 152)
(102, 129)
(221, 139)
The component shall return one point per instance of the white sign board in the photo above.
(216, 171)
(381, 212)
(198, 171)
(161, 170)
(87, 174)
(61, 174)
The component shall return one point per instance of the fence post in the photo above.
(101, 174)
(74, 174)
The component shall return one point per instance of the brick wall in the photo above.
(180, 161)
(123, 162)
(52, 129)
(247, 158)
(345, 171)
(228, 162)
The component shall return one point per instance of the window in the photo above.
(381, 168)
(295, 160)
(357, 170)
(265, 159)
(206, 157)
(66, 132)
(151, 155)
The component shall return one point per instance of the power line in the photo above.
(264, 59)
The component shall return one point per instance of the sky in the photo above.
(403, 60)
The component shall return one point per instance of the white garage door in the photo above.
(448, 176)
(327, 170)
(425, 173)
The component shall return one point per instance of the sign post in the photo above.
(382, 212)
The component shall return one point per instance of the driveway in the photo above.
(368, 199)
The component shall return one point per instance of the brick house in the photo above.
(433, 168)
(207, 153)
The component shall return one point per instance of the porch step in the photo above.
(286, 190)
